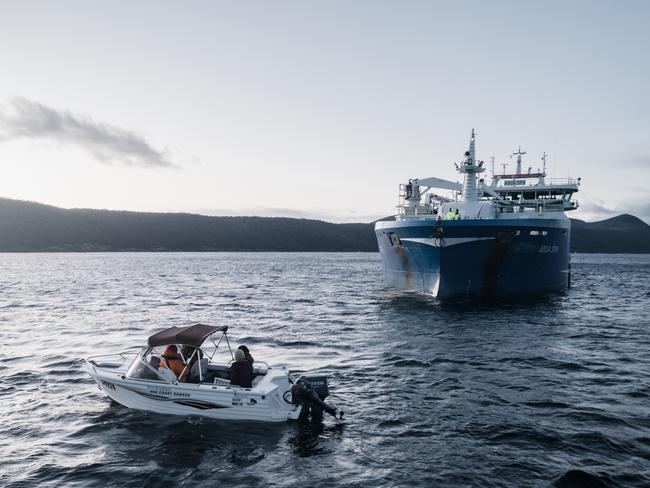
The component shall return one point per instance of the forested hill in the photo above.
(28, 226)
(624, 233)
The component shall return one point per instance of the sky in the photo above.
(317, 109)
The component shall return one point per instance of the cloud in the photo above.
(26, 119)
(641, 209)
(639, 161)
(596, 209)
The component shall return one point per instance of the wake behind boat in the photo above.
(208, 387)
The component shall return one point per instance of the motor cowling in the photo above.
(319, 385)
(310, 392)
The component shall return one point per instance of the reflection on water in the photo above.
(454, 393)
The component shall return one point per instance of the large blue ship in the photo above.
(508, 237)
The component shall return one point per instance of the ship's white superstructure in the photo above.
(517, 195)
(508, 236)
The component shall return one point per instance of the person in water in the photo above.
(247, 353)
(241, 371)
(173, 361)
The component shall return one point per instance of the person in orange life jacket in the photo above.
(173, 361)
(241, 371)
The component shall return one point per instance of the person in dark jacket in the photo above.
(247, 353)
(241, 371)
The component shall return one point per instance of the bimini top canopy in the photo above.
(194, 335)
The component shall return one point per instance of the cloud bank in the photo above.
(25, 119)
(596, 209)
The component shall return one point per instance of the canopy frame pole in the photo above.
(229, 348)
(187, 364)
(216, 344)
(198, 356)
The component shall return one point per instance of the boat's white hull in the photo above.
(263, 402)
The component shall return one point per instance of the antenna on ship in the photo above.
(519, 153)
(470, 168)
(472, 150)
(541, 178)
(492, 164)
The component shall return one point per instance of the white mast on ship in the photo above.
(519, 153)
(493, 175)
(541, 178)
(470, 167)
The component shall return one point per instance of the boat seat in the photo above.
(223, 372)
(260, 370)
(199, 365)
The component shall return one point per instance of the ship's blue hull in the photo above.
(496, 257)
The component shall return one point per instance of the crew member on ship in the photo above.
(450, 215)
(456, 215)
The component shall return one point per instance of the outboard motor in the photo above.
(310, 392)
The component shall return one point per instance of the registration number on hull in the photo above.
(548, 249)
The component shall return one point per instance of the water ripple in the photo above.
(542, 392)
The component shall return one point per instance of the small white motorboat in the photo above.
(141, 382)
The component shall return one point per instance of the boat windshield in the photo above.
(145, 367)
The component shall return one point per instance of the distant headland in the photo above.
(35, 227)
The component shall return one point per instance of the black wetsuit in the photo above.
(241, 373)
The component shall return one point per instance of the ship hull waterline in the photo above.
(483, 257)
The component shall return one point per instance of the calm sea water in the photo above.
(530, 393)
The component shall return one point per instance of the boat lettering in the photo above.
(236, 401)
(108, 385)
(167, 392)
(548, 249)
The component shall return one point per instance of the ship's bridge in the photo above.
(547, 193)
(520, 193)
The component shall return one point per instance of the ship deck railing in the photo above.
(539, 206)
(419, 211)
(550, 183)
